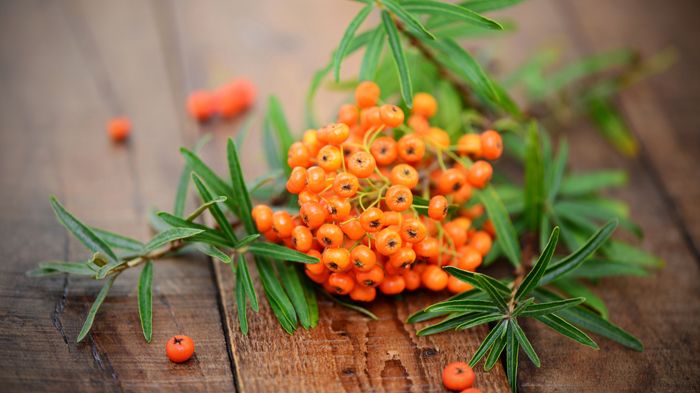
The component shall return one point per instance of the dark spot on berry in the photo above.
(374, 224)
(333, 266)
(369, 283)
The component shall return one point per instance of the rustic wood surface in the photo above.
(65, 68)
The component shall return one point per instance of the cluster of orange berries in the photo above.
(356, 182)
(226, 101)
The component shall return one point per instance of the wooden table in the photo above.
(68, 67)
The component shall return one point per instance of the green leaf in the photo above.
(525, 344)
(58, 267)
(411, 22)
(115, 240)
(599, 268)
(339, 54)
(575, 259)
(581, 184)
(473, 279)
(452, 12)
(310, 295)
(550, 307)
(183, 183)
(488, 5)
(449, 323)
(282, 253)
(574, 288)
(156, 223)
(480, 320)
(240, 190)
(423, 315)
(208, 235)
(399, 58)
(292, 284)
(625, 253)
(214, 209)
(213, 252)
(612, 125)
(281, 127)
(512, 349)
(593, 323)
(81, 232)
(595, 209)
(213, 181)
(496, 351)
(449, 114)
(493, 292)
(462, 305)
(495, 334)
(565, 328)
(373, 52)
(532, 279)
(247, 240)
(240, 292)
(246, 281)
(505, 233)
(558, 170)
(279, 301)
(534, 179)
(203, 207)
(95, 307)
(145, 299)
(168, 236)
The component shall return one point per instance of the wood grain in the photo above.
(66, 70)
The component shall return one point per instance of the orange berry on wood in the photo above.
(119, 129)
(391, 115)
(424, 104)
(361, 293)
(235, 97)
(491, 145)
(341, 283)
(457, 376)
(367, 94)
(438, 207)
(201, 105)
(392, 285)
(179, 348)
(434, 278)
(398, 198)
(480, 174)
(471, 390)
(411, 279)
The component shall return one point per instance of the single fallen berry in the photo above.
(201, 105)
(179, 349)
(119, 129)
(471, 390)
(457, 376)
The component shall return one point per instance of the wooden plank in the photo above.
(65, 72)
(346, 352)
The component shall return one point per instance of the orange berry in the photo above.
(428, 247)
(348, 114)
(361, 164)
(405, 175)
(418, 123)
(310, 140)
(480, 174)
(424, 104)
(454, 285)
(457, 376)
(329, 158)
(330, 236)
(392, 115)
(307, 196)
(463, 194)
(471, 390)
(411, 148)
(338, 208)
(370, 118)
(434, 278)
(179, 349)
(319, 278)
(235, 97)
(298, 155)
(384, 150)
(282, 224)
(313, 214)
(481, 241)
(262, 214)
(392, 218)
(345, 185)
(297, 180)
(438, 207)
(119, 129)
(411, 279)
(315, 179)
(450, 180)
(403, 258)
(392, 285)
(372, 219)
(474, 211)
(398, 198)
(371, 277)
(341, 283)
(363, 294)
(353, 229)
(302, 239)
(413, 231)
(201, 105)
(491, 145)
(315, 268)
(456, 233)
(336, 259)
(469, 145)
(438, 138)
(333, 134)
(387, 241)
(469, 258)
(367, 94)
(363, 258)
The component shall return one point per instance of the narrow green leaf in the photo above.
(58, 267)
(625, 253)
(247, 283)
(495, 334)
(203, 207)
(278, 252)
(339, 54)
(599, 268)
(565, 328)
(572, 287)
(558, 170)
(279, 301)
(310, 295)
(240, 292)
(281, 127)
(213, 181)
(465, 305)
(213, 252)
(534, 179)
(247, 240)
(550, 307)
(207, 235)
(488, 5)
(214, 209)
(156, 223)
(82, 232)
(512, 350)
(295, 291)
(115, 240)
(496, 350)
(532, 279)
(580, 184)
(183, 183)
(449, 323)
(480, 320)
(493, 292)
(411, 22)
(240, 190)
(423, 315)
(525, 344)
(399, 58)
(593, 323)
(95, 307)
(612, 125)
(505, 233)
(575, 259)
(522, 306)
(145, 299)
(450, 11)
(373, 52)
(471, 278)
